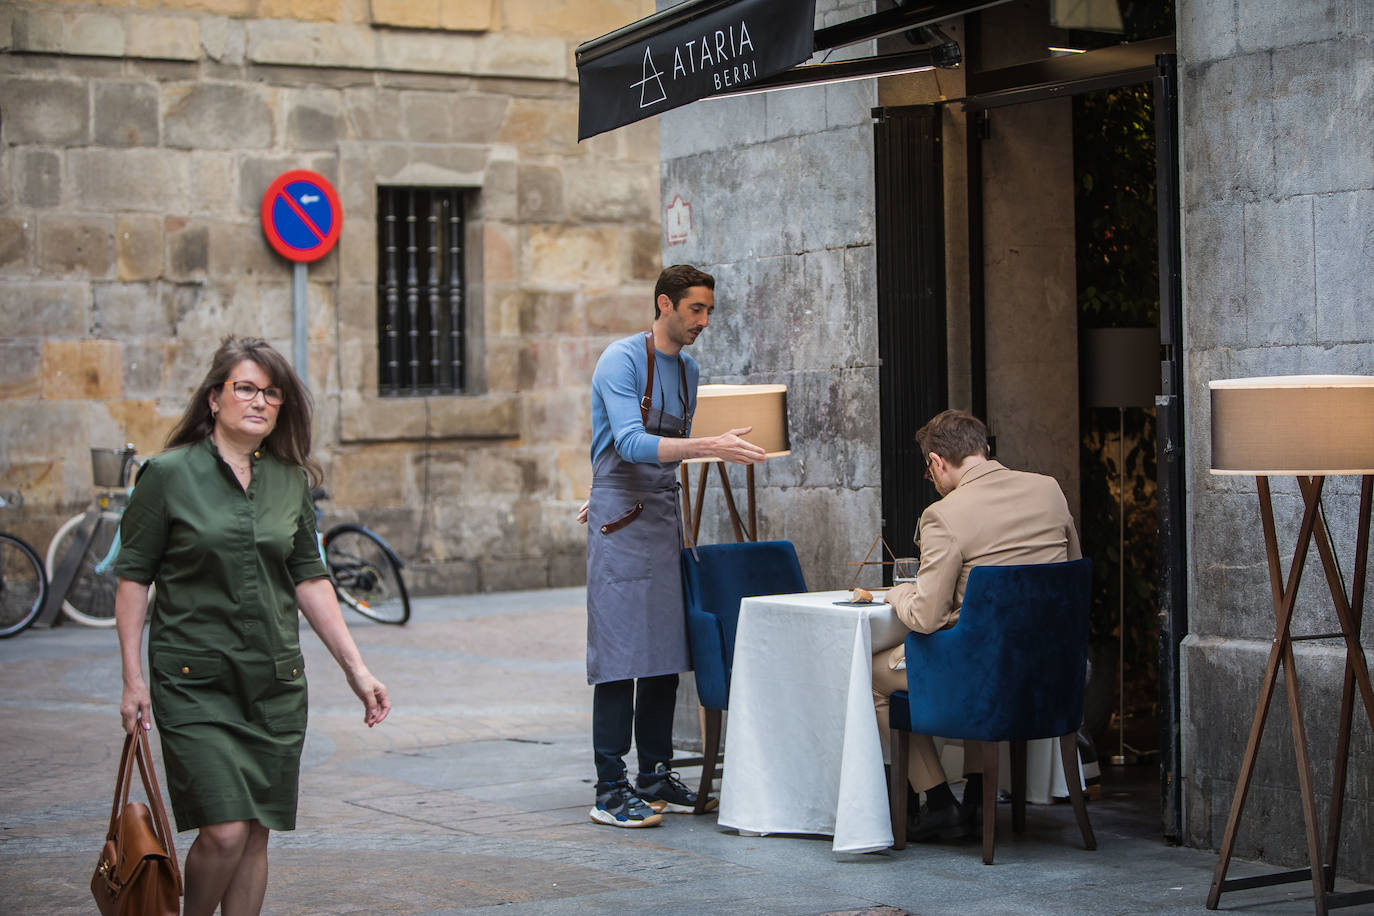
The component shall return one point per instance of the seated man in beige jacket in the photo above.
(988, 515)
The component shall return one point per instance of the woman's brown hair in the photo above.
(290, 438)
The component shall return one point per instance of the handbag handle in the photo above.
(136, 749)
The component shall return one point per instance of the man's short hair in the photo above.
(953, 435)
(676, 280)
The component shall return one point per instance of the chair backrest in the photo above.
(719, 575)
(1013, 667)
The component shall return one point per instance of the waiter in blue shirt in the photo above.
(643, 393)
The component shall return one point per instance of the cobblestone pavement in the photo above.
(475, 794)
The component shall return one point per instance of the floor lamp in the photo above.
(1121, 369)
(1309, 427)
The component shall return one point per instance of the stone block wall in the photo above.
(780, 187)
(135, 146)
(1278, 195)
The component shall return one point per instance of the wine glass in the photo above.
(904, 570)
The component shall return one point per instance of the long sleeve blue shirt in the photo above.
(617, 386)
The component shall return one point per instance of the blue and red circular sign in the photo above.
(301, 215)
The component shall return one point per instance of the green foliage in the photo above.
(1115, 208)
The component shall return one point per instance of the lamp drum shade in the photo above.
(1120, 366)
(721, 408)
(1307, 425)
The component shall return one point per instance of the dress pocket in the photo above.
(282, 703)
(189, 687)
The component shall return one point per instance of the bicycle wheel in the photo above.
(366, 574)
(91, 598)
(23, 586)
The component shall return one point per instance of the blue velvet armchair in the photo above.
(1012, 669)
(714, 580)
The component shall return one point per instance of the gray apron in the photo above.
(636, 623)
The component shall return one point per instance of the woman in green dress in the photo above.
(223, 523)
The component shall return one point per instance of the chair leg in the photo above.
(1018, 787)
(989, 800)
(896, 790)
(710, 754)
(1068, 753)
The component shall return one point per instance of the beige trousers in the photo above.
(923, 768)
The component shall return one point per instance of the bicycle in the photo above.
(365, 570)
(23, 582)
(84, 548)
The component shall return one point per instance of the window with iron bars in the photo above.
(421, 302)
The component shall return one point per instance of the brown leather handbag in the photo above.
(137, 873)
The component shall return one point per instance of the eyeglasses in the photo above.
(246, 391)
(926, 475)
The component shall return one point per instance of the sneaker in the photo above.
(665, 792)
(619, 806)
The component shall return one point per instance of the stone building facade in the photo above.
(1277, 205)
(136, 142)
(780, 187)
(1278, 248)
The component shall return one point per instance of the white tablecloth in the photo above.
(803, 753)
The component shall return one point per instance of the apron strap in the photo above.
(647, 401)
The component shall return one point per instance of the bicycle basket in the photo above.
(110, 466)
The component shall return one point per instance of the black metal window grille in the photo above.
(421, 328)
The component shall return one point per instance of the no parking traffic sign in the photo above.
(301, 215)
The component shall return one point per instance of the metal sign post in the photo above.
(302, 219)
(298, 321)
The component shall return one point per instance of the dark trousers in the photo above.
(646, 705)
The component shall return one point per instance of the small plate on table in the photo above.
(877, 600)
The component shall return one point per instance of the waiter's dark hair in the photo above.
(676, 280)
(953, 435)
(290, 437)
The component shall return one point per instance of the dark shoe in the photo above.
(947, 823)
(972, 816)
(665, 792)
(619, 806)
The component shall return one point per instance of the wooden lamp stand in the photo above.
(1309, 427)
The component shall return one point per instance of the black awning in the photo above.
(701, 48)
(687, 52)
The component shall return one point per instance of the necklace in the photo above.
(245, 468)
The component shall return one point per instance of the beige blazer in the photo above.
(994, 517)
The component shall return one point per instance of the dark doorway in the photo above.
(1154, 491)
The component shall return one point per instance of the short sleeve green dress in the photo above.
(225, 668)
